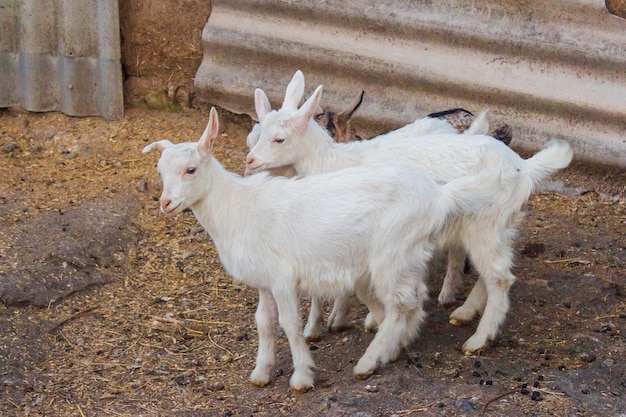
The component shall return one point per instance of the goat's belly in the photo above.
(329, 285)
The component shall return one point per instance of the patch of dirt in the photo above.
(166, 332)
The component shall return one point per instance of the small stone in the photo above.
(524, 391)
(477, 364)
(476, 374)
(588, 357)
(371, 388)
(607, 363)
(182, 380)
(535, 396)
(9, 147)
(141, 186)
(217, 386)
(489, 382)
(464, 404)
(226, 358)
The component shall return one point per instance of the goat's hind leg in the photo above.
(314, 325)
(403, 316)
(454, 275)
(338, 319)
(376, 308)
(473, 306)
(493, 262)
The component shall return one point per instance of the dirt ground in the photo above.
(111, 309)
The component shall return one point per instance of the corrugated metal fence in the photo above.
(548, 68)
(61, 55)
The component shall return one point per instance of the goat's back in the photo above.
(330, 226)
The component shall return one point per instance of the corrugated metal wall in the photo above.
(548, 68)
(61, 55)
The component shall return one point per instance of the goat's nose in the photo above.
(249, 160)
(165, 202)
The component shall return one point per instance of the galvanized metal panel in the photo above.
(61, 55)
(548, 68)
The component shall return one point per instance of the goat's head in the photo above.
(182, 168)
(280, 133)
(338, 124)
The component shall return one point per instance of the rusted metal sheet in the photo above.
(61, 55)
(548, 68)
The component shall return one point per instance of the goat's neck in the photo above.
(324, 154)
(225, 195)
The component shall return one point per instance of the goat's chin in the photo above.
(253, 170)
(172, 211)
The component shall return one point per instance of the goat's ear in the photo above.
(301, 118)
(160, 145)
(261, 104)
(349, 111)
(294, 92)
(205, 144)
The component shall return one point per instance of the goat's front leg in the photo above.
(266, 316)
(289, 319)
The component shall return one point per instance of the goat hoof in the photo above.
(259, 384)
(476, 352)
(361, 377)
(338, 327)
(313, 338)
(458, 323)
(302, 389)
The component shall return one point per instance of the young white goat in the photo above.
(369, 230)
(443, 122)
(340, 124)
(290, 137)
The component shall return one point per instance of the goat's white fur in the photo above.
(369, 230)
(288, 137)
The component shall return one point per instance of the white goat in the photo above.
(369, 230)
(338, 318)
(290, 137)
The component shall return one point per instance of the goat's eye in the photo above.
(191, 170)
(279, 140)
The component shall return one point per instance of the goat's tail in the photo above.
(479, 126)
(555, 155)
(466, 195)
